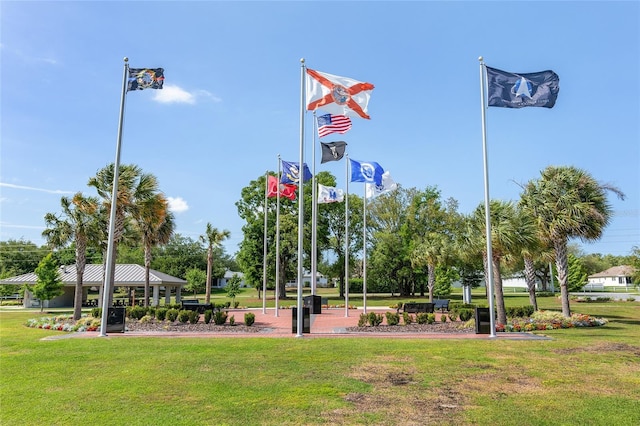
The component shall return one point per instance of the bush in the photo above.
(407, 318)
(172, 314)
(431, 318)
(443, 318)
(219, 317)
(453, 316)
(249, 319)
(161, 314)
(363, 320)
(393, 318)
(207, 316)
(422, 317)
(375, 319)
(194, 317)
(137, 312)
(96, 312)
(183, 316)
(519, 311)
(465, 315)
(232, 320)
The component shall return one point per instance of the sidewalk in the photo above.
(332, 322)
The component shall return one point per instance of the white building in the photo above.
(614, 278)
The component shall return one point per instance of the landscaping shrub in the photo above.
(431, 318)
(393, 318)
(407, 318)
(183, 316)
(232, 320)
(219, 317)
(96, 312)
(422, 318)
(161, 314)
(172, 314)
(465, 315)
(137, 312)
(194, 317)
(207, 316)
(443, 318)
(453, 315)
(519, 311)
(249, 319)
(375, 319)
(363, 320)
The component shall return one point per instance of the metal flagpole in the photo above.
(301, 198)
(364, 251)
(346, 240)
(314, 214)
(492, 320)
(278, 241)
(264, 237)
(112, 217)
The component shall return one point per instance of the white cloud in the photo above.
(31, 188)
(174, 94)
(177, 205)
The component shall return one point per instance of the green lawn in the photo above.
(587, 376)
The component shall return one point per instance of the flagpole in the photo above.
(110, 273)
(487, 212)
(314, 214)
(278, 242)
(264, 237)
(364, 251)
(301, 200)
(346, 240)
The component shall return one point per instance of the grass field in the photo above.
(582, 376)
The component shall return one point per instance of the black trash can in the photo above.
(483, 321)
(306, 320)
(115, 319)
(314, 303)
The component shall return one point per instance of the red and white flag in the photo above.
(330, 123)
(337, 95)
(286, 189)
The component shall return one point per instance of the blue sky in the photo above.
(231, 101)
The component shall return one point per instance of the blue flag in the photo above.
(291, 173)
(508, 90)
(145, 78)
(366, 171)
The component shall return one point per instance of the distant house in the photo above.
(222, 282)
(321, 280)
(125, 275)
(614, 278)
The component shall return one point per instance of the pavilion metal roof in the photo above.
(125, 275)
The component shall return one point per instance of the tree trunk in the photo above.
(207, 296)
(497, 284)
(560, 247)
(81, 261)
(431, 280)
(147, 267)
(530, 276)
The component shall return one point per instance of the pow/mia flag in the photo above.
(332, 151)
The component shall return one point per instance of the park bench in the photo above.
(442, 304)
(195, 305)
(414, 308)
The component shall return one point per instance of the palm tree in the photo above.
(76, 224)
(510, 231)
(155, 223)
(212, 238)
(134, 188)
(568, 202)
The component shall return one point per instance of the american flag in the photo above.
(330, 123)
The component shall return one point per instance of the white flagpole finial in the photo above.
(480, 58)
(126, 59)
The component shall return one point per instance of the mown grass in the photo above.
(587, 376)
